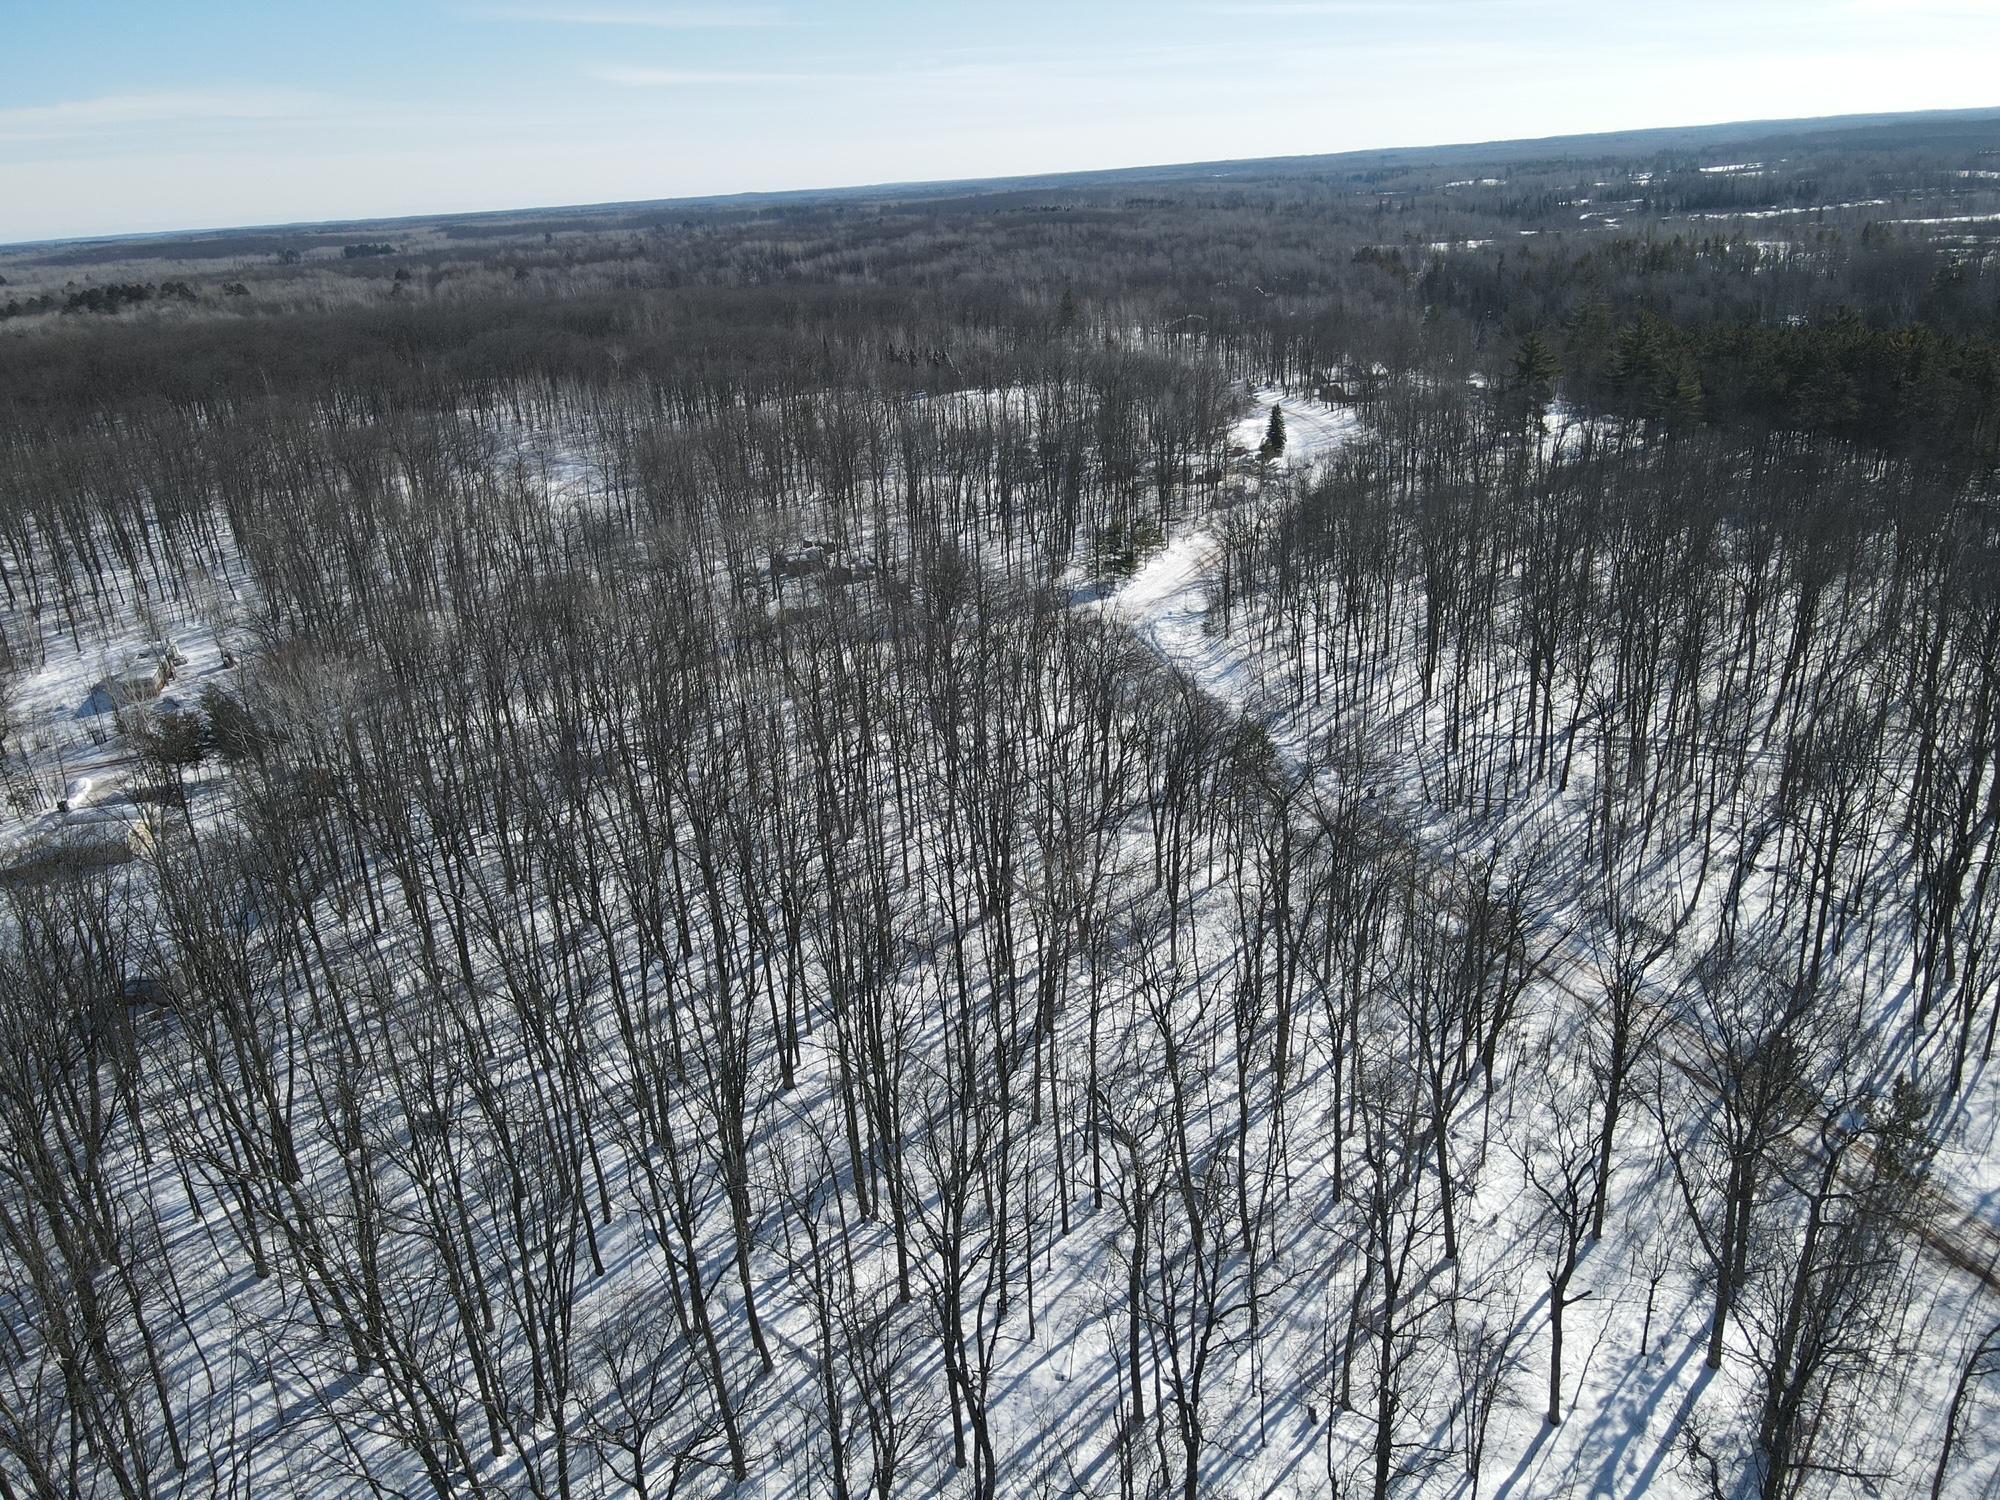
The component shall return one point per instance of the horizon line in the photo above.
(1829, 123)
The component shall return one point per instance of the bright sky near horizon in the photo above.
(137, 115)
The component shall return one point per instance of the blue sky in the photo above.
(117, 115)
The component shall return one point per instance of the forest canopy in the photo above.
(1320, 826)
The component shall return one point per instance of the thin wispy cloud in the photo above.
(961, 75)
(911, 77)
(75, 118)
(649, 18)
(1985, 10)
(1306, 9)
(661, 78)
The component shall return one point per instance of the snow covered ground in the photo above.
(1642, 1385)
(73, 760)
(1166, 600)
(1635, 1383)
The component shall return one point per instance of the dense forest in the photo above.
(1319, 828)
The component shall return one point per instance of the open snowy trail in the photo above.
(1165, 602)
(1166, 605)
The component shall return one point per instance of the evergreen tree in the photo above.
(1274, 435)
(1535, 372)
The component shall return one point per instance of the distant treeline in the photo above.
(110, 298)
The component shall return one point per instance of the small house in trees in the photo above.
(141, 680)
(99, 836)
(77, 842)
(807, 560)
